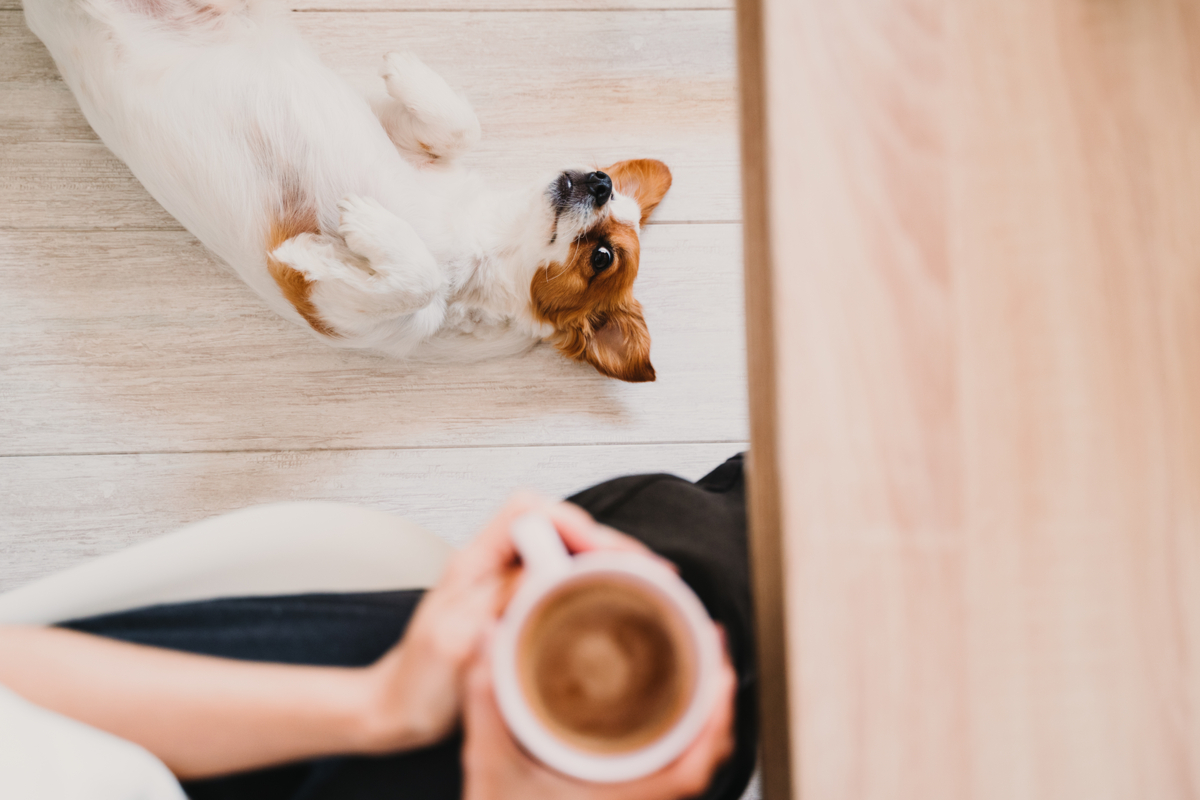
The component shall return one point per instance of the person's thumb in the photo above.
(481, 715)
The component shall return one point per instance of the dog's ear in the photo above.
(643, 179)
(619, 346)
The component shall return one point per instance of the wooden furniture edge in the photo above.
(763, 478)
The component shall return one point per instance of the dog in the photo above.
(355, 219)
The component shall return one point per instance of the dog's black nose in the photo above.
(599, 186)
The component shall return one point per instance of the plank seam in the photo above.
(530, 10)
(181, 229)
(368, 449)
(556, 9)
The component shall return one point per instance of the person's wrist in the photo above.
(390, 717)
(354, 721)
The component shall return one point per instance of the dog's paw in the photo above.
(365, 225)
(306, 253)
(401, 261)
(409, 79)
(428, 118)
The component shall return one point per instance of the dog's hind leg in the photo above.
(424, 117)
(400, 275)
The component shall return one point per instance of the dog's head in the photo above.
(585, 289)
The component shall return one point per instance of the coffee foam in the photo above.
(606, 664)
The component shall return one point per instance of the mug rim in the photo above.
(569, 759)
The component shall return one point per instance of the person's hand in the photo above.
(416, 687)
(495, 768)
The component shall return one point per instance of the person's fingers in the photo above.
(724, 637)
(605, 539)
(510, 581)
(690, 774)
(491, 755)
(493, 548)
(572, 523)
(481, 716)
(582, 534)
(493, 555)
(693, 771)
(597, 537)
(487, 738)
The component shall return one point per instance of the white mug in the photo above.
(549, 570)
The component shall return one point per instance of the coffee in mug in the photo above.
(604, 663)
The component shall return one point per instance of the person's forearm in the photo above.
(202, 716)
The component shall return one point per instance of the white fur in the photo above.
(219, 109)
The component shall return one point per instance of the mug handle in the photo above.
(541, 548)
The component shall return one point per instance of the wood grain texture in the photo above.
(134, 342)
(592, 6)
(985, 311)
(601, 6)
(1082, 445)
(59, 510)
(655, 84)
(868, 402)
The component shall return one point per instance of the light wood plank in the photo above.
(866, 399)
(983, 330)
(600, 6)
(651, 84)
(128, 342)
(1080, 375)
(58, 511)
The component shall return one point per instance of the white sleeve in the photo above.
(46, 756)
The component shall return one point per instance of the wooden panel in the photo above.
(1080, 329)
(57, 511)
(868, 427)
(652, 84)
(980, 314)
(766, 540)
(133, 342)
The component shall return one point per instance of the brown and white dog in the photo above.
(355, 221)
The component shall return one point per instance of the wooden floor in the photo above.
(143, 386)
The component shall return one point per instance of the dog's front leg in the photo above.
(400, 275)
(425, 118)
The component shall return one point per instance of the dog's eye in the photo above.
(602, 258)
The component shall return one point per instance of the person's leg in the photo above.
(701, 527)
(347, 630)
(311, 546)
(319, 629)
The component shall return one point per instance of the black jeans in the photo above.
(701, 527)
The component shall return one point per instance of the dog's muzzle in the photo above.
(574, 188)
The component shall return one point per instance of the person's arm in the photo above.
(205, 716)
(201, 716)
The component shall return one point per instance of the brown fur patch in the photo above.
(643, 179)
(295, 214)
(593, 313)
(296, 219)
